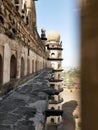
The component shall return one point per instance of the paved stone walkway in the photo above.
(23, 108)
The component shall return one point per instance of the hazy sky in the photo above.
(63, 16)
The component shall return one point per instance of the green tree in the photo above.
(69, 75)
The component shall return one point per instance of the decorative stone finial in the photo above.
(43, 35)
(43, 30)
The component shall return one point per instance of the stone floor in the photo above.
(23, 108)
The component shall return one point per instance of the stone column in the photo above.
(18, 62)
(6, 63)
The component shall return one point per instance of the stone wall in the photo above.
(21, 49)
(13, 48)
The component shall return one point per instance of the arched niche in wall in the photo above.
(59, 97)
(53, 65)
(1, 69)
(23, 8)
(53, 98)
(16, 2)
(59, 76)
(32, 66)
(58, 107)
(58, 119)
(22, 67)
(28, 66)
(59, 65)
(36, 65)
(52, 108)
(13, 67)
(45, 64)
(52, 120)
(1, 19)
(52, 55)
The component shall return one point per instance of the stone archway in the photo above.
(28, 66)
(32, 66)
(13, 67)
(16, 1)
(22, 67)
(52, 120)
(59, 76)
(1, 20)
(36, 66)
(52, 55)
(1, 69)
(53, 65)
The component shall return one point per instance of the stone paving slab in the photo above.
(23, 108)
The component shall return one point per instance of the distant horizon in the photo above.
(71, 67)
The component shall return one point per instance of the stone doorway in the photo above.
(32, 66)
(13, 66)
(22, 67)
(28, 66)
(36, 66)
